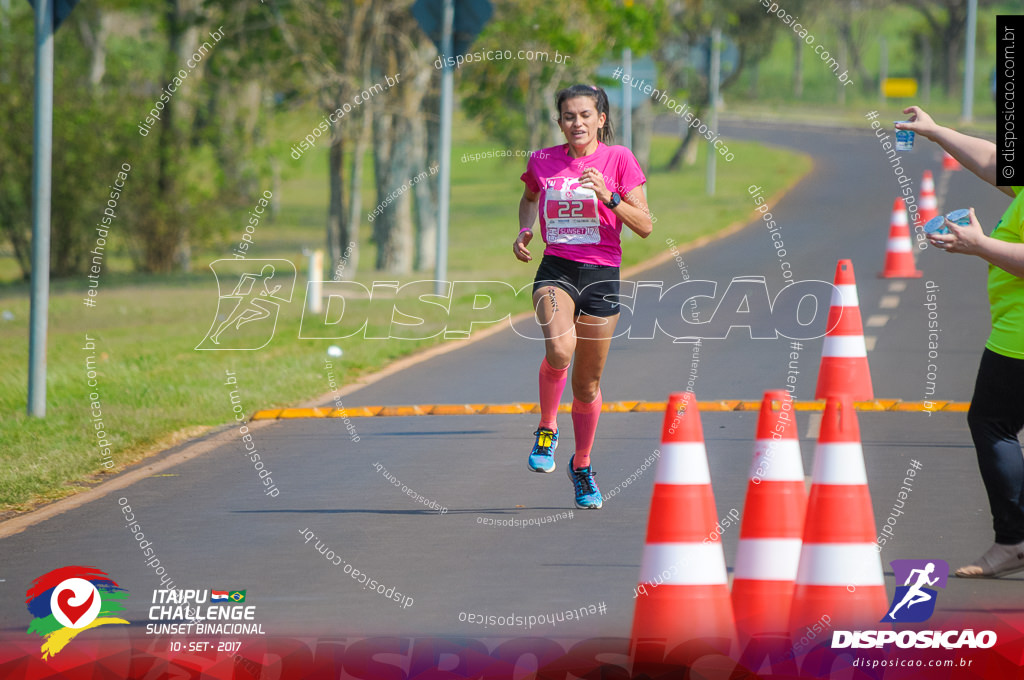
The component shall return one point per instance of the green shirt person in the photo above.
(996, 415)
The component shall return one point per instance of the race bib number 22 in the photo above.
(570, 212)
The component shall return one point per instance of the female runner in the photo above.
(584, 191)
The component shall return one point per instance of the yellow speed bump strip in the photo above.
(608, 407)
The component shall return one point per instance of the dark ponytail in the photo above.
(606, 134)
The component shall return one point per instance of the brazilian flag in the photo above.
(237, 596)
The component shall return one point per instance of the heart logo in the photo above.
(74, 613)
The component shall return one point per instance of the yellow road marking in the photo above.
(895, 405)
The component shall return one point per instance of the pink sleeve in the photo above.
(530, 176)
(630, 174)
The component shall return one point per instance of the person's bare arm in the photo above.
(632, 208)
(635, 214)
(971, 240)
(977, 155)
(527, 216)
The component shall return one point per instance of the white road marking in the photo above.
(889, 301)
(877, 320)
(813, 426)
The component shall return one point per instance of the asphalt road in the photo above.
(212, 527)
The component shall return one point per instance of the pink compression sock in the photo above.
(584, 426)
(552, 382)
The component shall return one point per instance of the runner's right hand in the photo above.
(519, 247)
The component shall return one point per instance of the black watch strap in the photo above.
(616, 199)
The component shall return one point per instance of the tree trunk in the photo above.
(392, 227)
(401, 242)
(952, 38)
(275, 188)
(843, 58)
(798, 67)
(166, 239)
(425, 253)
(926, 69)
(849, 47)
(93, 29)
(687, 150)
(643, 124)
(336, 218)
(426, 207)
(348, 239)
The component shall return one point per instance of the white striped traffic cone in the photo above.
(844, 356)
(840, 572)
(929, 206)
(773, 522)
(683, 591)
(899, 251)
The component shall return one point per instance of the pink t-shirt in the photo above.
(573, 223)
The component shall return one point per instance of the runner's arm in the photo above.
(528, 208)
(634, 213)
(527, 215)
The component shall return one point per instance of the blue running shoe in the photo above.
(542, 458)
(587, 493)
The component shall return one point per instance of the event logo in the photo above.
(914, 602)
(246, 317)
(69, 600)
(916, 575)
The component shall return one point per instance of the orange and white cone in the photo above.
(773, 522)
(948, 162)
(683, 591)
(840, 572)
(844, 356)
(929, 205)
(899, 252)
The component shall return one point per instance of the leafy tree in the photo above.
(689, 22)
(947, 20)
(513, 99)
(88, 148)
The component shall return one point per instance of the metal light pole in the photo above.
(445, 180)
(967, 108)
(41, 167)
(713, 83)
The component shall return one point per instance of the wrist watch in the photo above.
(616, 199)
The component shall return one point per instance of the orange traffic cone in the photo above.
(773, 522)
(899, 253)
(844, 356)
(840, 571)
(929, 205)
(683, 591)
(948, 162)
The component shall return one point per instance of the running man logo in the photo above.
(246, 317)
(914, 601)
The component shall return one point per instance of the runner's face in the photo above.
(580, 121)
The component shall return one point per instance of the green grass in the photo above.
(154, 389)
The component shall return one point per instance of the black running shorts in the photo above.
(594, 288)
